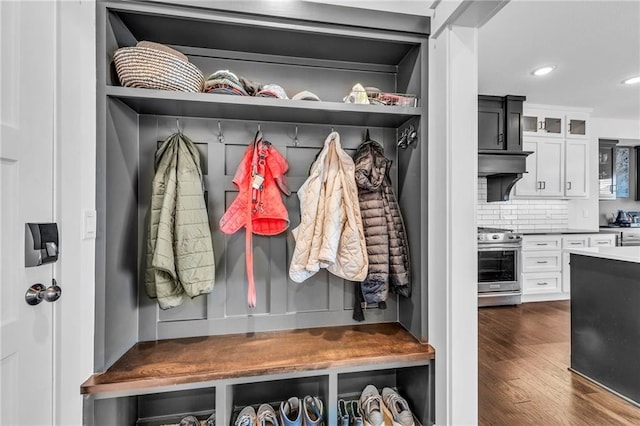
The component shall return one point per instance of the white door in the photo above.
(529, 184)
(27, 46)
(576, 168)
(551, 167)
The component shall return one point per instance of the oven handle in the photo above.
(500, 294)
(499, 247)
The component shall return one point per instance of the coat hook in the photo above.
(220, 135)
(332, 130)
(178, 126)
(258, 126)
(295, 138)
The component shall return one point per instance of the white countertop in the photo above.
(627, 254)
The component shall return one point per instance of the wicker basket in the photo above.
(155, 69)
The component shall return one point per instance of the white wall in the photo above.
(611, 128)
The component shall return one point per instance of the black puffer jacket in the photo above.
(383, 226)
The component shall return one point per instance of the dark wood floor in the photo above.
(524, 353)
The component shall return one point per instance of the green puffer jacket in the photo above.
(179, 260)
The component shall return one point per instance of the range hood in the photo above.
(502, 169)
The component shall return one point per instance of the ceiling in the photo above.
(594, 44)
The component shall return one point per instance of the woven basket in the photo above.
(155, 69)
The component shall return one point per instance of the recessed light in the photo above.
(632, 80)
(543, 70)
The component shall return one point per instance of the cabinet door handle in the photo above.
(500, 138)
(542, 244)
(576, 244)
(542, 261)
(542, 283)
(569, 126)
(540, 125)
(569, 186)
(544, 184)
(602, 242)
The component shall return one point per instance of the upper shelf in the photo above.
(207, 105)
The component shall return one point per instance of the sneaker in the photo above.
(355, 415)
(290, 412)
(247, 417)
(398, 408)
(312, 411)
(343, 415)
(267, 416)
(211, 421)
(371, 406)
(189, 421)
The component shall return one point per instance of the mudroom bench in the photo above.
(202, 375)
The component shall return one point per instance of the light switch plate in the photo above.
(89, 223)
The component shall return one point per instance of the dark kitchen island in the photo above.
(605, 318)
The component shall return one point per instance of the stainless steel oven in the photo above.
(498, 267)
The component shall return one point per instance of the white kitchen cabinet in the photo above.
(541, 261)
(555, 123)
(541, 243)
(541, 283)
(541, 264)
(576, 172)
(602, 240)
(557, 168)
(536, 122)
(577, 125)
(545, 169)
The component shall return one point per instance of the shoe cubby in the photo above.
(273, 392)
(156, 409)
(412, 383)
(300, 339)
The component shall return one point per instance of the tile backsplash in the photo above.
(521, 215)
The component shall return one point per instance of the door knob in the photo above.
(37, 292)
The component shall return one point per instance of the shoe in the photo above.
(247, 417)
(290, 412)
(267, 416)
(355, 415)
(371, 406)
(397, 407)
(343, 415)
(189, 421)
(211, 421)
(312, 411)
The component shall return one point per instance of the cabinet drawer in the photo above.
(602, 241)
(575, 241)
(541, 261)
(541, 242)
(541, 283)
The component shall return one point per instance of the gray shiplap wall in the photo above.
(282, 304)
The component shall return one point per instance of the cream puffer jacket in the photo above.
(179, 260)
(330, 234)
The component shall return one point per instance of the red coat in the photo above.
(259, 179)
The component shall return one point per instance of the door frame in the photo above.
(74, 194)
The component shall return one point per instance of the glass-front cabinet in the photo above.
(606, 169)
(539, 122)
(556, 123)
